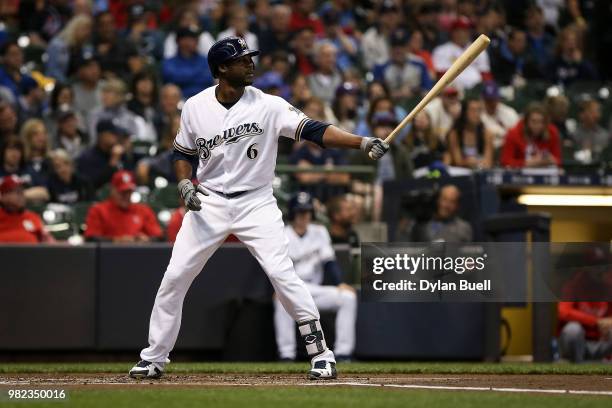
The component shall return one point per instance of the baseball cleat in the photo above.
(146, 369)
(323, 370)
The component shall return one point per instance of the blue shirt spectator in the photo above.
(10, 70)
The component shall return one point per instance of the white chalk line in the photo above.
(321, 383)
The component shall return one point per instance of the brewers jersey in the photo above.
(310, 252)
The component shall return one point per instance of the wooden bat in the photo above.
(461, 63)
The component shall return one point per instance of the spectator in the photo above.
(446, 225)
(326, 79)
(586, 332)
(444, 55)
(13, 159)
(533, 142)
(540, 42)
(443, 111)
(11, 75)
(303, 16)
(144, 104)
(590, 138)
(32, 100)
(277, 37)
(113, 52)
(300, 92)
(61, 99)
(345, 106)
(346, 45)
(239, 27)
(341, 213)
(147, 40)
(415, 47)
(117, 219)
(261, 16)
(170, 104)
(423, 145)
(557, 108)
(68, 135)
(510, 64)
(87, 89)
(98, 163)
(161, 165)
(64, 185)
(188, 69)
(497, 117)
(114, 95)
(470, 144)
(375, 40)
(37, 146)
(8, 121)
(174, 225)
(42, 20)
(271, 83)
(405, 74)
(303, 46)
(427, 21)
(64, 48)
(187, 18)
(18, 225)
(379, 104)
(569, 65)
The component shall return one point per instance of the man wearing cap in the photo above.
(18, 225)
(117, 219)
(188, 69)
(497, 117)
(444, 55)
(98, 163)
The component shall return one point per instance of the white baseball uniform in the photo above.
(309, 253)
(237, 150)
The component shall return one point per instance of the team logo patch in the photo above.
(310, 339)
(229, 136)
(242, 43)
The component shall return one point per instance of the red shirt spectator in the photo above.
(120, 220)
(533, 142)
(303, 16)
(18, 225)
(175, 224)
(586, 313)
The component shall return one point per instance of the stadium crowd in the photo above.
(91, 90)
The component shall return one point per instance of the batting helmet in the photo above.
(225, 50)
(302, 201)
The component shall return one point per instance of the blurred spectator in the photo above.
(64, 185)
(590, 138)
(557, 107)
(13, 159)
(260, 18)
(98, 163)
(415, 47)
(424, 146)
(303, 46)
(405, 74)
(87, 89)
(112, 51)
(61, 99)
(345, 106)
(32, 100)
(68, 136)
(239, 27)
(303, 15)
(444, 55)
(42, 20)
(341, 213)
(187, 18)
(470, 144)
(170, 104)
(174, 225)
(427, 21)
(375, 40)
(144, 104)
(18, 225)
(492, 22)
(188, 69)
(377, 105)
(346, 45)
(161, 165)
(445, 225)
(114, 94)
(569, 65)
(277, 37)
(117, 219)
(443, 111)
(66, 46)
(550, 11)
(497, 117)
(271, 83)
(541, 43)
(533, 142)
(326, 79)
(300, 92)
(37, 146)
(11, 75)
(147, 40)
(586, 332)
(8, 121)
(510, 64)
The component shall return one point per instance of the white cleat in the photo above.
(147, 369)
(323, 367)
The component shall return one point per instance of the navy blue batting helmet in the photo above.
(301, 201)
(227, 49)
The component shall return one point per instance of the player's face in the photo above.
(240, 72)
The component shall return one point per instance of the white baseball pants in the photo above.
(327, 298)
(255, 219)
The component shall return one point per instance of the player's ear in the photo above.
(221, 69)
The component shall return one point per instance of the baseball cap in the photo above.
(462, 23)
(109, 126)
(450, 91)
(65, 111)
(86, 57)
(490, 90)
(187, 32)
(384, 119)
(399, 38)
(9, 183)
(269, 80)
(347, 88)
(123, 180)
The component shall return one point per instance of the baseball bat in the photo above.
(461, 63)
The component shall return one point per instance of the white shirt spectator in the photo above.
(441, 120)
(374, 48)
(444, 55)
(552, 9)
(503, 119)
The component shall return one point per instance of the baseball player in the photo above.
(229, 134)
(312, 254)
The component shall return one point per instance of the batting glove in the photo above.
(188, 192)
(374, 147)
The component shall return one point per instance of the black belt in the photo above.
(230, 195)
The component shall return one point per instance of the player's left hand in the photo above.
(374, 147)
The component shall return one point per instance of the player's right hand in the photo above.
(188, 192)
(374, 147)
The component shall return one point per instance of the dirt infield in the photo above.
(474, 382)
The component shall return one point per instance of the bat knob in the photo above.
(370, 155)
